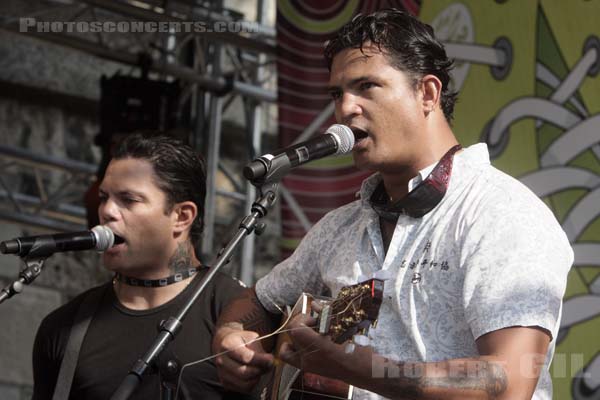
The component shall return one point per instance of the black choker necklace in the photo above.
(156, 282)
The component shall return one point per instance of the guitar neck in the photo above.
(353, 311)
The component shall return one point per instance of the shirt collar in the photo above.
(369, 184)
(476, 154)
(421, 176)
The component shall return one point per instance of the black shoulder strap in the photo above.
(82, 320)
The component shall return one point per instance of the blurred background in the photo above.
(236, 79)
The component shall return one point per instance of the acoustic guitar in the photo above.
(355, 309)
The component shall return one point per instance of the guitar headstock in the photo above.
(354, 310)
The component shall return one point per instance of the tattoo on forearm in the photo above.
(487, 377)
(415, 380)
(181, 260)
(255, 319)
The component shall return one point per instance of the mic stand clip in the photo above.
(33, 267)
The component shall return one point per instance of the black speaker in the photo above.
(129, 104)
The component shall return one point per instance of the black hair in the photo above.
(180, 171)
(409, 44)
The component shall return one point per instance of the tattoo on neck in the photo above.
(181, 260)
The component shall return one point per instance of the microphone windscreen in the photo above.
(343, 136)
(105, 238)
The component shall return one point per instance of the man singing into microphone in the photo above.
(152, 196)
(476, 264)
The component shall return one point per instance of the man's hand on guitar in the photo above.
(315, 353)
(241, 367)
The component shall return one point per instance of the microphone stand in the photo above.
(171, 327)
(33, 267)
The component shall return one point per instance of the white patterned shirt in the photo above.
(490, 255)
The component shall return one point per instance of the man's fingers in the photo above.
(302, 334)
(263, 361)
(305, 320)
(253, 357)
(243, 362)
(242, 354)
(288, 354)
(316, 306)
(240, 347)
(233, 368)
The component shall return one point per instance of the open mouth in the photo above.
(118, 244)
(359, 134)
(118, 240)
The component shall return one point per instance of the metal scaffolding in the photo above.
(53, 205)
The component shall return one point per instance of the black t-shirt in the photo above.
(118, 336)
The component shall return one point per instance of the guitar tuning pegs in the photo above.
(335, 329)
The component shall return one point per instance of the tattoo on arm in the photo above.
(486, 377)
(247, 312)
(254, 319)
(181, 260)
(429, 380)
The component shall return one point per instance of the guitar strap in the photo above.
(83, 317)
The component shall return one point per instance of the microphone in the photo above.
(338, 139)
(99, 238)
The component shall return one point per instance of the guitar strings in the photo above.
(302, 380)
(228, 351)
(350, 303)
(275, 332)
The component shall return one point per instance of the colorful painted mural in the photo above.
(527, 72)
